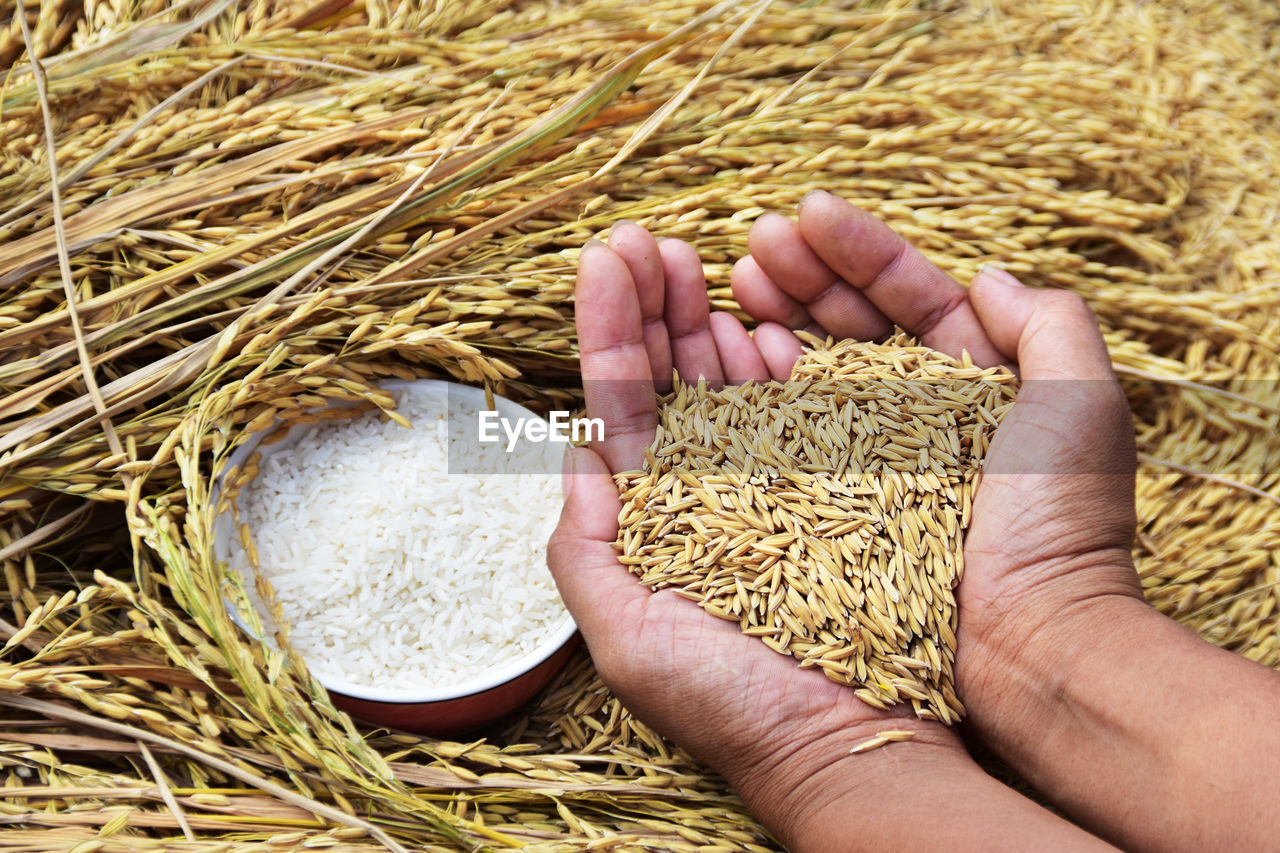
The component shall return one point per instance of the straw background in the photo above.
(265, 204)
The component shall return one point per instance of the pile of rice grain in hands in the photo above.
(824, 514)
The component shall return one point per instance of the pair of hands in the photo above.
(1051, 526)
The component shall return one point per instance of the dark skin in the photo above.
(1061, 664)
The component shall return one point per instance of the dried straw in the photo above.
(207, 152)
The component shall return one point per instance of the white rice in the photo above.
(390, 571)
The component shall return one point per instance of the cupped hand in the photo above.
(1053, 517)
(770, 728)
(1050, 528)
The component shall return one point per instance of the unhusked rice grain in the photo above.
(824, 514)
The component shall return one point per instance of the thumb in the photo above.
(596, 588)
(1057, 483)
(1071, 415)
(1051, 334)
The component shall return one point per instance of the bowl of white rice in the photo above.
(408, 562)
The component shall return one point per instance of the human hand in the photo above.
(1067, 674)
(1053, 517)
(779, 734)
(776, 732)
(1060, 661)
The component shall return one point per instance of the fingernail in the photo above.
(998, 273)
(591, 244)
(566, 472)
(615, 225)
(814, 193)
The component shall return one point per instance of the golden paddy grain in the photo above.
(825, 514)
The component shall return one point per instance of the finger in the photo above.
(741, 360)
(594, 585)
(688, 313)
(1051, 334)
(787, 260)
(779, 349)
(639, 250)
(902, 283)
(1071, 415)
(762, 299)
(616, 376)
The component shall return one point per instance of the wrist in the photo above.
(807, 784)
(1020, 651)
(1038, 691)
(1111, 697)
(925, 793)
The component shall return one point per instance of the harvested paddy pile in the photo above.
(825, 514)
(263, 206)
